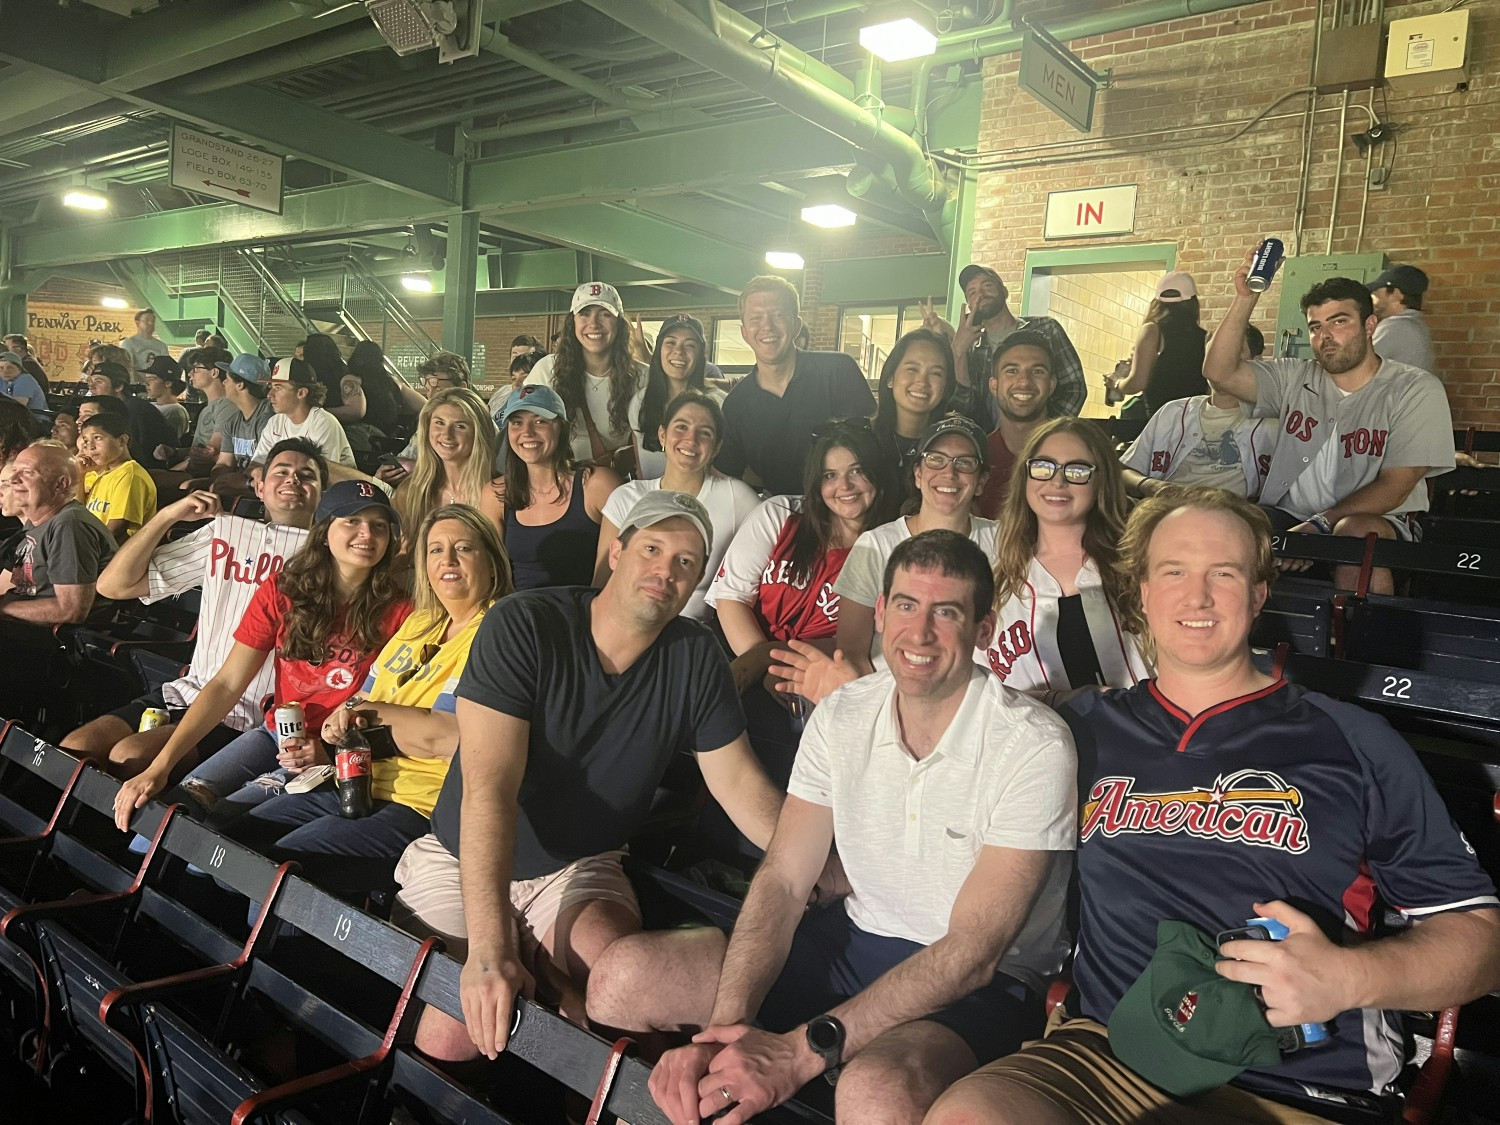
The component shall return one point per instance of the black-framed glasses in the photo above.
(1074, 472)
(843, 426)
(965, 463)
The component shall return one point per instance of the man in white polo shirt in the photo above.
(952, 800)
(228, 558)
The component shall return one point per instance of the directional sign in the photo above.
(224, 169)
(1058, 79)
(1090, 211)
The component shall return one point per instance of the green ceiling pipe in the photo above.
(790, 78)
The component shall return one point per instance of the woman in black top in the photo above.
(1168, 360)
(916, 386)
(382, 397)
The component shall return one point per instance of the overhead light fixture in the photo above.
(416, 283)
(898, 40)
(412, 26)
(114, 302)
(86, 201)
(828, 215)
(784, 260)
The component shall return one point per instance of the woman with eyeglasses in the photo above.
(916, 385)
(679, 363)
(549, 507)
(1058, 578)
(323, 619)
(948, 475)
(776, 583)
(461, 571)
(692, 432)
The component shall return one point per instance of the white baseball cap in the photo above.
(597, 293)
(1175, 287)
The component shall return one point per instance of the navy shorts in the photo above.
(832, 959)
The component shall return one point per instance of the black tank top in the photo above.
(560, 553)
(1178, 371)
(1075, 644)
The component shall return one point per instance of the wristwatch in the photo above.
(825, 1037)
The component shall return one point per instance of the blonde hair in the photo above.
(780, 287)
(423, 490)
(424, 597)
(1105, 523)
(1135, 544)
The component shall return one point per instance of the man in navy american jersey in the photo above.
(1214, 794)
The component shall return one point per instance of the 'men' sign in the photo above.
(1058, 79)
(1090, 211)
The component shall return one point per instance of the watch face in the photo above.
(823, 1035)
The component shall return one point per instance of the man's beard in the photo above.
(1345, 358)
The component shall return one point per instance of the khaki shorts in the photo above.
(431, 900)
(1073, 1067)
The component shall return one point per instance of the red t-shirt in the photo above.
(1002, 465)
(321, 688)
(809, 612)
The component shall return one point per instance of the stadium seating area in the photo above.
(200, 982)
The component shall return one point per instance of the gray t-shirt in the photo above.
(143, 349)
(1405, 338)
(71, 548)
(242, 435)
(214, 419)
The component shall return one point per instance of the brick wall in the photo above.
(1439, 210)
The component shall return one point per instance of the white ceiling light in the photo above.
(114, 302)
(784, 260)
(416, 283)
(898, 40)
(86, 201)
(828, 215)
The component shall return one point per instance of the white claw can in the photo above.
(291, 722)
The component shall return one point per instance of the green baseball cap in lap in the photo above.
(1182, 1026)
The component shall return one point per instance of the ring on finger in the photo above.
(728, 1097)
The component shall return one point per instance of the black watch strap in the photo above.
(825, 1038)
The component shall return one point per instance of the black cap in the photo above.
(973, 270)
(1408, 279)
(963, 426)
(164, 367)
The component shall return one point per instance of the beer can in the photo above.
(1263, 267)
(151, 718)
(291, 722)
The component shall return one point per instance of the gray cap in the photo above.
(11, 357)
(659, 504)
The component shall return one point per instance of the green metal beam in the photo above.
(852, 281)
(68, 45)
(540, 302)
(644, 240)
(344, 207)
(460, 274)
(722, 156)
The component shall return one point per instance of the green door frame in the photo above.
(1116, 254)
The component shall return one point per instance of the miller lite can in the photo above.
(1263, 267)
(291, 722)
(351, 767)
(151, 718)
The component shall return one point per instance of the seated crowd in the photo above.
(980, 721)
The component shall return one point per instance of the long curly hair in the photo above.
(309, 583)
(424, 597)
(814, 533)
(423, 490)
(1103, 527)
(568, 374)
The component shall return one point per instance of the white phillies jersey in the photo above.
(1399, 419)
(228, 558)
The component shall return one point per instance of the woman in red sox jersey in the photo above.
(1057, 575)
(324, 617)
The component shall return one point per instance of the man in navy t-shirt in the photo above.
(571, 706)
(1215, 794)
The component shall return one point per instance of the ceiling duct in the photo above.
(412, 26)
